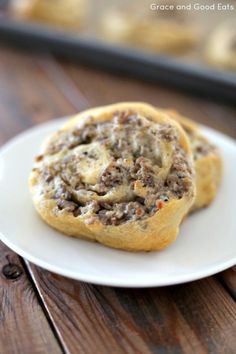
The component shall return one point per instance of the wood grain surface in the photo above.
(228, 278)
(198, 317)
(23, 325)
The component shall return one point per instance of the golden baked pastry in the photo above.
(121, 175)
(207, 162)
(158, 34)
(221, 46)
(62, 13)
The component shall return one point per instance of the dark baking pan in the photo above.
(191, 77)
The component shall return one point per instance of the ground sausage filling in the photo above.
(117, 171)
(200, 145)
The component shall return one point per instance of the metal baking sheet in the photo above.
(193, 78)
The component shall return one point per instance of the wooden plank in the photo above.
(198, 317)
(23, 325)
(228, 278)
(25, 99)
(27, 95)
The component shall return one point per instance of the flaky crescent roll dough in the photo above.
(67, 14)
(155, 33)
(220, 48)
(207, 162)
(121, 175)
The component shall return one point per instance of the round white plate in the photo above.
(206, 243)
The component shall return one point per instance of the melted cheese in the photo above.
(93, 159)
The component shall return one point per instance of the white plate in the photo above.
(206, 243)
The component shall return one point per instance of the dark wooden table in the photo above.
(46, 313)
